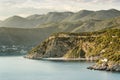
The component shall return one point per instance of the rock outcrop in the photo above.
(67, 45)
(60, 46)
(107, 66)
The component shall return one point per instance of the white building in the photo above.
(104, 60)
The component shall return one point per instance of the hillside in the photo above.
(32, 36)
(85, 26)
(90, 45)
(11, 38)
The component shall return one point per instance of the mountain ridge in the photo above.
(33, 21)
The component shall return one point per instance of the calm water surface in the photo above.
(19, 68)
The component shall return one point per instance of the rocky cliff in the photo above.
(64, 45)
(89, 45)
(107, 66)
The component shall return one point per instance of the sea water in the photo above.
(19, 68)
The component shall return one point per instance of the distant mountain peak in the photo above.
(60, 12)
(85, 10)
(109, 10)
(15, 18)
(113, 9)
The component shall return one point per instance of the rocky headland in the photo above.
(101, 46)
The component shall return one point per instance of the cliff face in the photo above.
(76, 45)
(60, 46)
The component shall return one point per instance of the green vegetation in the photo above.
(76, 52)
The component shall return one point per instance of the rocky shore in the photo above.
(106, 66)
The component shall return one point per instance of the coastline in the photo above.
(101, 67)
(106, 66)
(63, 59)
(67, 59)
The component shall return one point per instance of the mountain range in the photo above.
(33, 29)
(36, 20)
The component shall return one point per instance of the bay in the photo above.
(19, 68)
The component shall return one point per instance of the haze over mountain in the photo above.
(13, 40)
(35, 20)
(16, 21)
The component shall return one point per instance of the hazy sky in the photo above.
(27, 7)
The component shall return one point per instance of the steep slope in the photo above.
(11, 38)
(92, 45)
